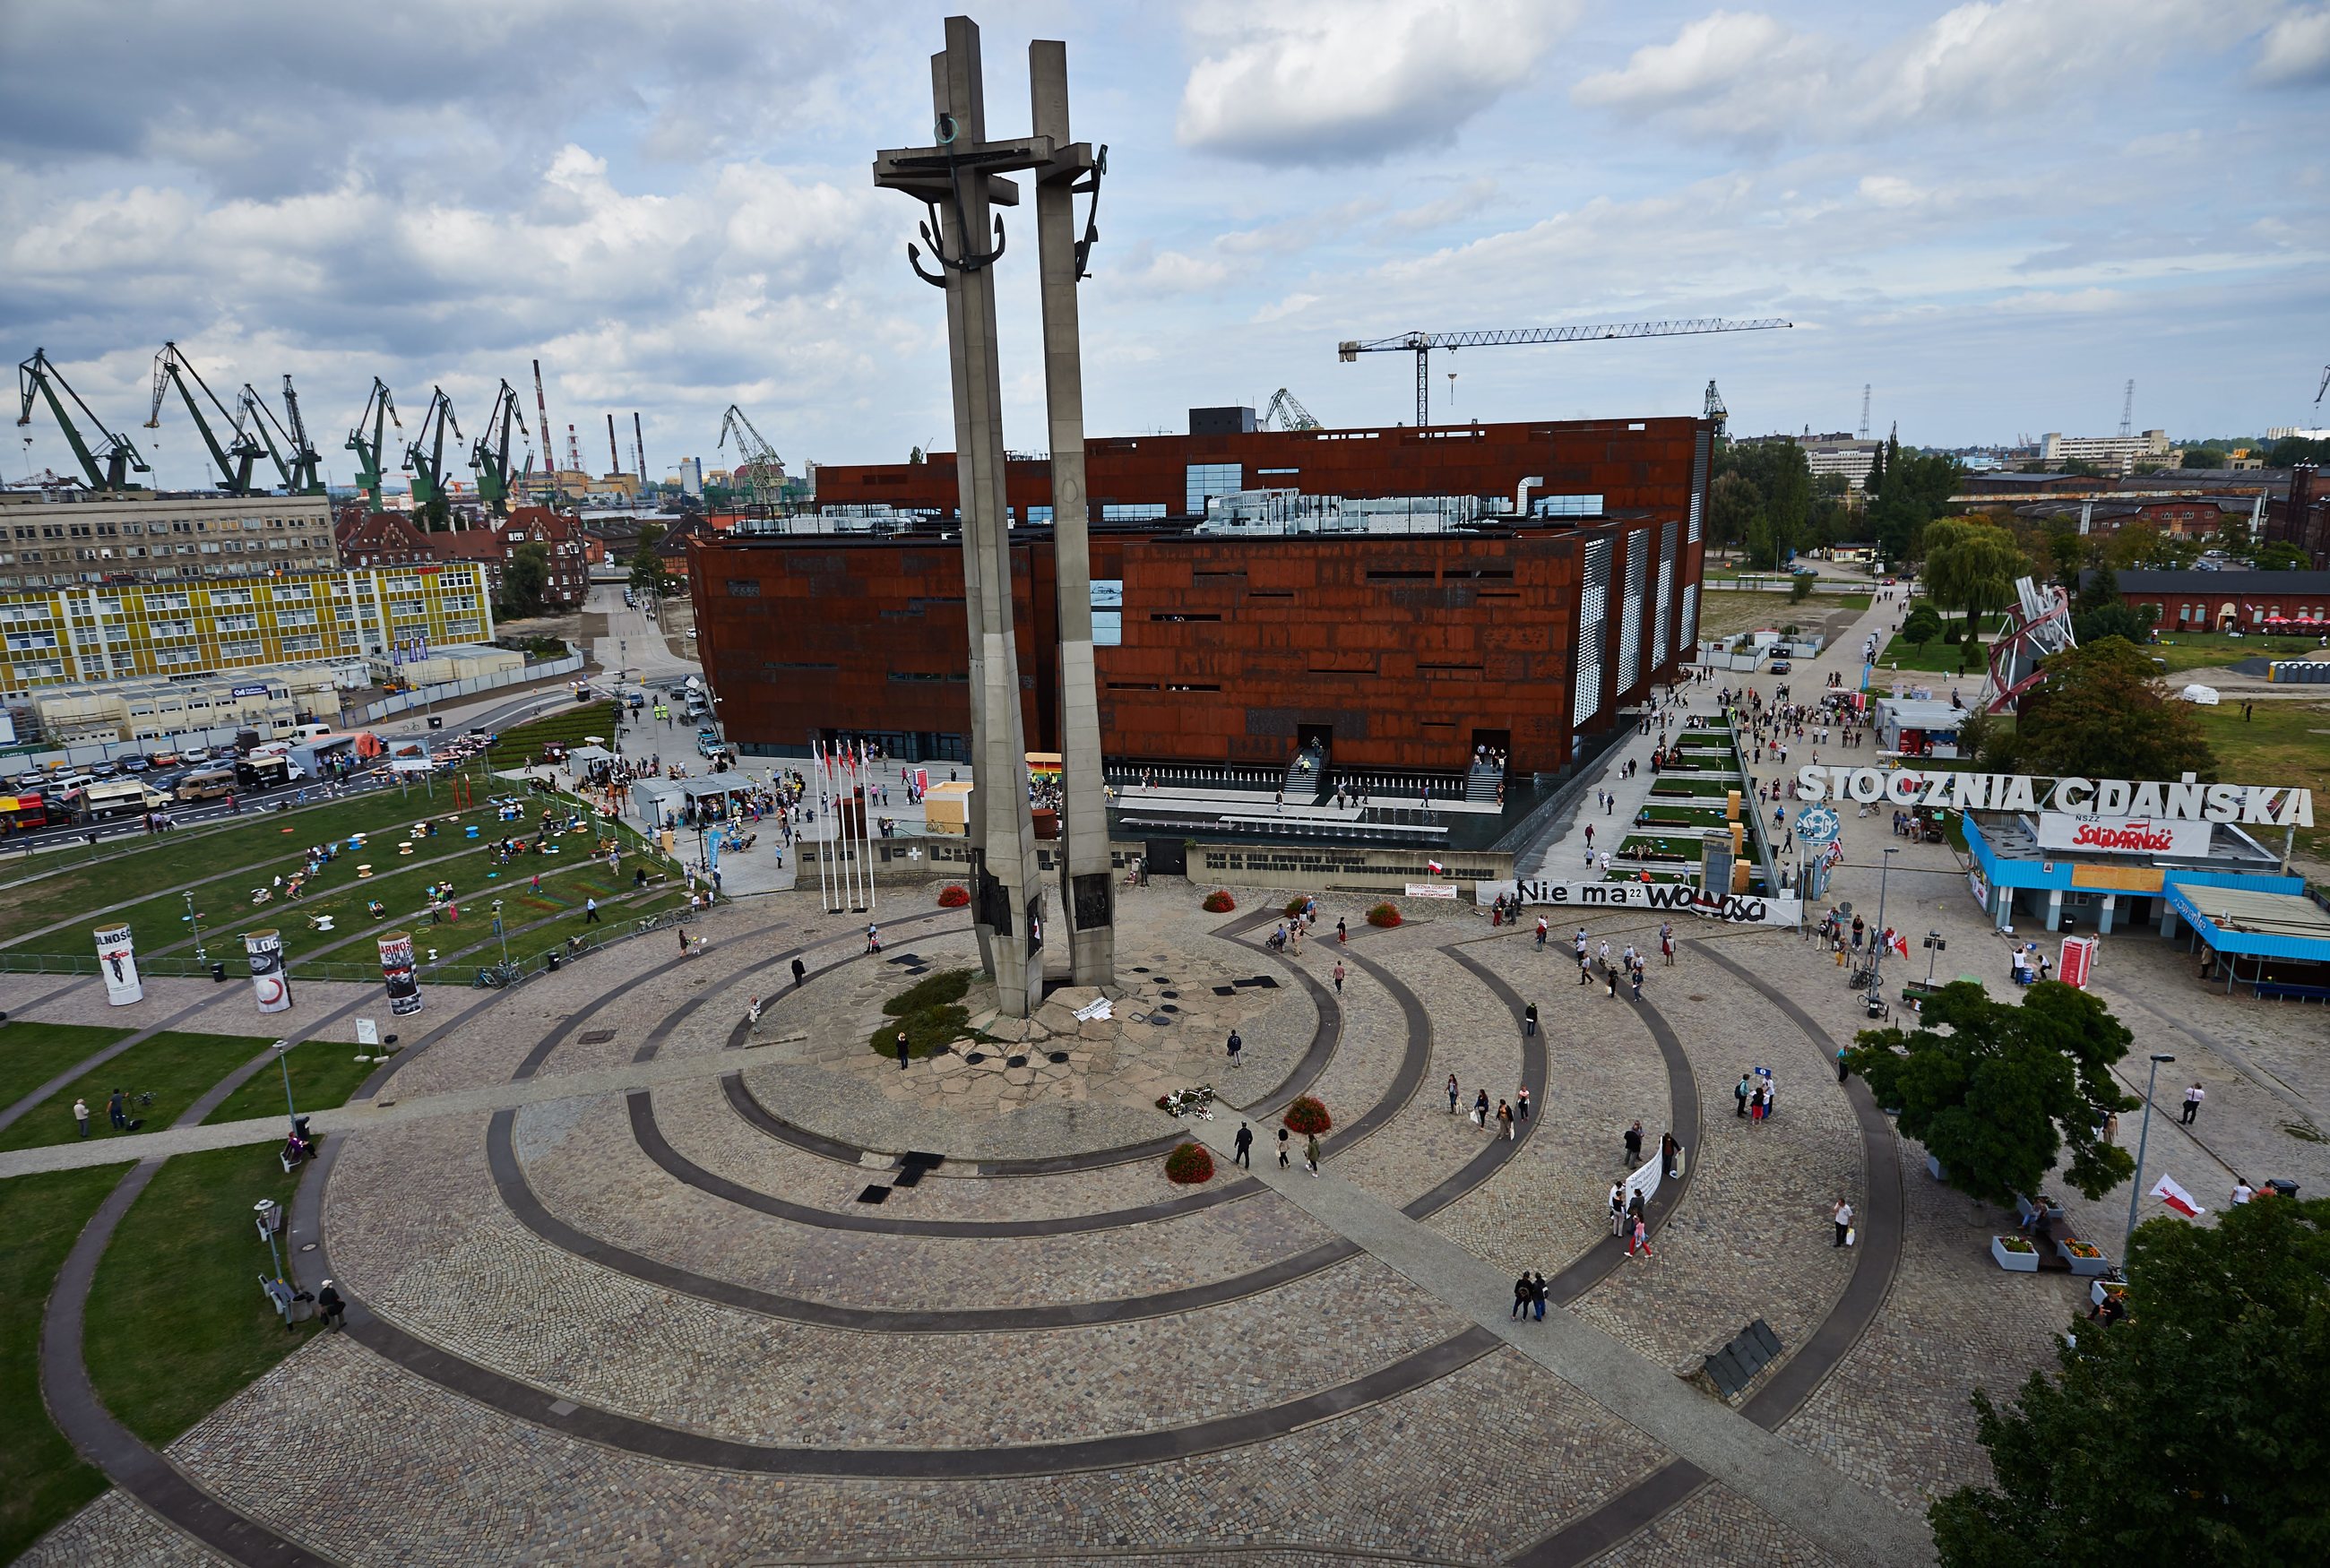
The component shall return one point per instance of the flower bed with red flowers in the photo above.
(1385, 915)
(953, 895)
(1307, 1116)
(1188, 1165)
(1219, 901)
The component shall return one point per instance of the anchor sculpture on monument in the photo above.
(959, 180)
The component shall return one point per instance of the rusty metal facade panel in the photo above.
(1661, 646)
(1594, 622)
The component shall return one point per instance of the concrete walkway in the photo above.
(1801, 1491)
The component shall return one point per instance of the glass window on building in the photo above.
(1108, 611)
(1207, 480)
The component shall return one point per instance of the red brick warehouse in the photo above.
(1524, 628)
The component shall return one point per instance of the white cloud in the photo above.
(1279, 310)
(1450, 209)
(2296, 50)
(1282, 82)
(1177, 272)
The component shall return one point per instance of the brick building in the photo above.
(390, 539)
(1403, 595)
(2228, 600)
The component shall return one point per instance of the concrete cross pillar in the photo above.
(1087, 887)
(960, 179)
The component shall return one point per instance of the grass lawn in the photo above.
(177, 1323)
(2287, 742)
(1635, 845)
(2195, 651)
(33, 1053)
(521, 744)
(231, 859)
(324, 1073)
(175, 1068)
(1936, 656)
(1675, 787)
(42, 1480)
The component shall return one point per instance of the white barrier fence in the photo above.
(450, 691)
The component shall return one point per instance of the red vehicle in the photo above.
(18, 812)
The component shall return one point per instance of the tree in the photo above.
(1972, 562)
(2119, 620)
(2102, 712)
(2280, 555)
(2142, 545)
(646, 567)
(1923, 625)
(1996, 1089)
(2191, 1433)
(1781, 477)
(2069, 552)
(524, 578)
(2077, 468)
(435, 515)
(1733, 503)
(2202, 457)
(2291, 450)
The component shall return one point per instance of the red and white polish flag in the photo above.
(2166, 1190)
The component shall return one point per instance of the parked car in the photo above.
(1780, 666)
(134, 764)
(105, 771)
(198, 756)
(164, 759)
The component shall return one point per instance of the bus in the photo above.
(114, 798)
(206, 784)
(19, 812)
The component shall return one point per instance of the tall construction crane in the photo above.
(1289, 411)
(490, 458)
(120, 456)
(379, 409)
(425, 456)
(1422, 343)
(296, 458)
(757, 463)
(234, 459)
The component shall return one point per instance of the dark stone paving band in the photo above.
(1324, 1038)
(1669, 1486)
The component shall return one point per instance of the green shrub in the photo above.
(932, 991)
(1384, 916)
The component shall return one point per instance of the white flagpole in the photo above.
(865, 772)
(842, 836)
(816, 797)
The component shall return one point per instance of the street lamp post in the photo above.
(1876, 964)
(283, 1057)
(196, 916)
(2143, 1140)
(1934, 947)
(499, 934)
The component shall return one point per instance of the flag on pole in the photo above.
(1901, 944)
(2166, 1190)
(1434, 867)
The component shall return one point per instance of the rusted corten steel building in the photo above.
(1233, 645)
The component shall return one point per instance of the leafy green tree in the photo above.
(646, 567)
(1972, 562)
(2190, 1435)
(2103, 713)
(2202, 457)
(1996, 1089)
(2078, 468)
(2119, 620)
(2101, 589)
(524, 577)
(2142, 545)
(2280, 555)
(1782, 479)
(1733, 504)
(435, 515)
(2291, 450)
(1923, 624)
(2070, 553)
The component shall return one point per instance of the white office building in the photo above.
(2112, 454)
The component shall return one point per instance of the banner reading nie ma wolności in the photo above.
(268, 981)
(116, 961)
(396, 969)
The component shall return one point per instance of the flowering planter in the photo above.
(2101, 1288)
(2085, 1258)
(2025, 1261)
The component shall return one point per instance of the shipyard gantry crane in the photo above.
(758, 465)
(1289, 411)
(490, 458)
(119, 457)
(379, 411)
(296, 458)
(234, 459)
(426, 455)
(1422, 343)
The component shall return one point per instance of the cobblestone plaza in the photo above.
(617, 1295)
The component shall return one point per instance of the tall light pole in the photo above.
(196, 916)
(2135, 1186)
(283, 1058)
(1876, 964)
(499, 934)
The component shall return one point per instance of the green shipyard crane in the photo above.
(379, 409)
(757, 463)
(490, 458)
(1422, 343)
(295, 459)
(234, 459)
(119, 457)
(425, 456)
(1289, 413)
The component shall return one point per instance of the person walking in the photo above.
(1282, 1148)
(800, 973)
(1666, 941)
(1669, 1151)
(1540, 933)
(1237, 1047)
(1523, 1292)
(873, 937)
(1311, 1153)
(1639, 1241)
(1739, 1094)
(1617, 1208)
(2192, 1098)
(116, 1111)
(1338, 977)
(1528, 1022)
(1841, 1068)
(1635, 978)
(1505, 1120)
(81, 1114)
(590, 911)
(1635, 1145)
(1840, 1217)
(905, 1050)
(1520, 1103)
(1343, 933)
(1245, 1141)
(1481, 1108)
(683, 941)
(1610, 972)
(1537, 1294)
(1584, 967)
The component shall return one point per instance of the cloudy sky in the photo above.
(1996, 213)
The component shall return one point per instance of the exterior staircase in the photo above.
(1307, 783)
(1481, 781)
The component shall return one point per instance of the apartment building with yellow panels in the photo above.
(78, 538)
(85, 634)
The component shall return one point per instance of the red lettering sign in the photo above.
(2136, 835)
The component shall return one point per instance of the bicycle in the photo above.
(494, 977)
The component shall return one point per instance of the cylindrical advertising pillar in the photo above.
(268, 981)
(116, 961)
(396, 969)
